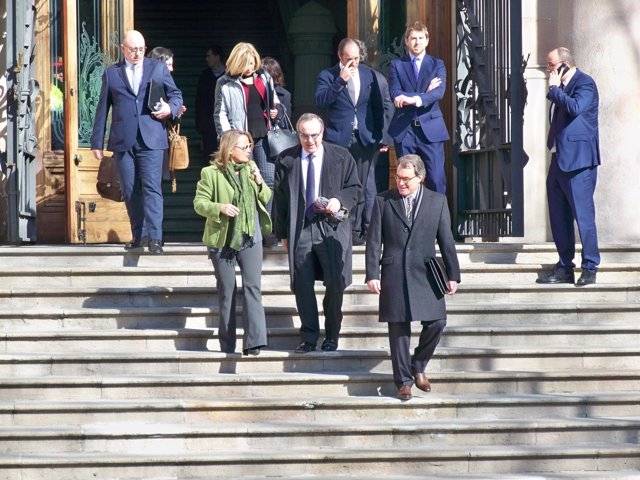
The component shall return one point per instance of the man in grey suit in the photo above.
(406, 223)
(316, 185)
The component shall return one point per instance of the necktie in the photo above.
(135, 78)
(310, 190)
(409, 208)
(416, 67)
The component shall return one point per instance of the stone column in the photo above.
(312, 29)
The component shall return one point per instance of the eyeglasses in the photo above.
(307, 136)
(404, 180)
(246, 147)
(133, 50)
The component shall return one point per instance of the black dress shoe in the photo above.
(133, 244)
(558, 276)
(305, 347)
(329, 345)
(588, 277)
(357, 240)
(155, 247)
(252, 351)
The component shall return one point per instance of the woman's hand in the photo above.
(229, 210)
(273, 113)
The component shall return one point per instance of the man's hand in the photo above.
(333, 206)
(554, 79)
(453, 287)
(347, 71)
(435, 83)
(285, 244)
(374, 286)
(403, 100)
(164, 111)
(97, 153)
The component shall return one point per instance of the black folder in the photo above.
(156, 92)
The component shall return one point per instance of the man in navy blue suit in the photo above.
(137, 135)
(571, 181)
(350, 96)
(417, 83)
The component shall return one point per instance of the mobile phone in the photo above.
(562, 69)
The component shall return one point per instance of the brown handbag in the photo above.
(178, 153)
(108, 185)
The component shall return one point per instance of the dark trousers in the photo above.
(570, 197)
(140, 170)
(312, 259)
(262, 157)
(255, 329)
(365, 158)
(403, 364)
(431, 153)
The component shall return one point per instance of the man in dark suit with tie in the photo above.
(137, 135)
(417, 84)
(350, 96)
(571, 180)
(315, 185)
(406, 223)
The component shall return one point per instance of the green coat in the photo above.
(213, 191)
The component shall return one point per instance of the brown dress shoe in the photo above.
(405, 393)
(422, 382)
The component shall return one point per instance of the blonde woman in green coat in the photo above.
(232, 196)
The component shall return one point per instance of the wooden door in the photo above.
(92, 35)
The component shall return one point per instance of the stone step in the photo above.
(194, 254)
(315, 384)
(274, 362)
(322, 409)
(499, 315)
(201, 275)
(324, 461)
(370, 337)
(172, 438)
(272, 275)
(161, 296)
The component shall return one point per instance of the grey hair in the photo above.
(565, 56)
(412, 160)
(306, 117)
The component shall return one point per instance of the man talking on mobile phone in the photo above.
(575, 157)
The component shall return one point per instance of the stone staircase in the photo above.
(110, 369)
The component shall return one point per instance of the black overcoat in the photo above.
(338, 179)
(397, 253)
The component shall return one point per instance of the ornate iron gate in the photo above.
(18, 104)
(490, 95)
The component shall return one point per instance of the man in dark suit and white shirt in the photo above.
(417, 84)
(350, 96)
(137, 135)
(571, 181)
(315, 185)
(406, 223)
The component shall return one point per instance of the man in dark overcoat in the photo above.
(406, 223)
(316, 184)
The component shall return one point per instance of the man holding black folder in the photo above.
(406, 223)
(137, 134)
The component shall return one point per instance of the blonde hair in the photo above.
(240, 58)
(228, 142)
